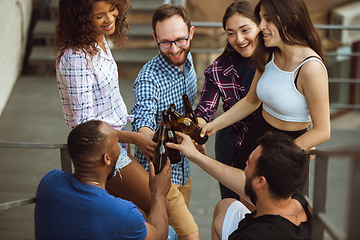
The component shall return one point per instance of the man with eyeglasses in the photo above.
(162, 81)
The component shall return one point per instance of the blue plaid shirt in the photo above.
(158, 84)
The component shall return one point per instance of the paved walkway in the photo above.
(34, 114)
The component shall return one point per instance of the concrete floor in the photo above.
(34, 114)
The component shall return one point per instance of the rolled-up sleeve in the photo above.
(75, 87)
(209, 98)
(146, 98)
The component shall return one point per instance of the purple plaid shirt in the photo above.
(230, 83)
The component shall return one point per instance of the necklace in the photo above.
(290, 215)
(94, 182)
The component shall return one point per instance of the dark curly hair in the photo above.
(74, 29)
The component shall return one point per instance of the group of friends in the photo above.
(273, 84)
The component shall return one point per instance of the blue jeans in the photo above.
(172, 234)
(225, 142)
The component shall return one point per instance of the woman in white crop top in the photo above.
(290, 80)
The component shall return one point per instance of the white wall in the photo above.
(15, 18)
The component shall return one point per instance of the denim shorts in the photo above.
(123, 159)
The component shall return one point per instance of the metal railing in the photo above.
(66, 166)
(320, 221)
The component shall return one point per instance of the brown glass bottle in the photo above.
(157, 132)
(161, 151)
(174, 124)
(174, 154)
(188, 127)
(189, 112)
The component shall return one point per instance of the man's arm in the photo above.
(144, 111)
(157, 222)
(230, 177)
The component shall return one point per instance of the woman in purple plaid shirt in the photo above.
(229, 78)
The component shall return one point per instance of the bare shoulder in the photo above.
(313, 68)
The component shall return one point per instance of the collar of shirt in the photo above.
(107, 55)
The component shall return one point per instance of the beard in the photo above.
(250, 191)
(178, 62)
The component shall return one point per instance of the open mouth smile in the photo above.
(109, 27)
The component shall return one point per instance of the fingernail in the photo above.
(202, 135)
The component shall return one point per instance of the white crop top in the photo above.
(280, 97)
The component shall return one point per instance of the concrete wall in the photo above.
(15, 17)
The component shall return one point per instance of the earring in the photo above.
(227, 46)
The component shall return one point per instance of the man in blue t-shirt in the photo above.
(77, 206)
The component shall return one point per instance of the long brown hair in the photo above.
(244, 8)
(74, 29)
(292, 19)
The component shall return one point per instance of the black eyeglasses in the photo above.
(178, 43)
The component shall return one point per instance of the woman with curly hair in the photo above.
(88, 84)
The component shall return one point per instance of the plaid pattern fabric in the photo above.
(223, 81)
(89, 89)
(158, 84)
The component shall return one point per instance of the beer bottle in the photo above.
(157, 132)
(174, 124)
(174, 154)
(161, 152)
(189, 112)
(188, 127)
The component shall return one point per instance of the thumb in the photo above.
(172, 145)
(151, 169)
(203, 132)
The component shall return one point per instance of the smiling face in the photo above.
(241, 34)
(269, 30)
(103, 16)
(171, 29)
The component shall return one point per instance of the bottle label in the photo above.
(170, 134)
(162, 149)
(187, 122)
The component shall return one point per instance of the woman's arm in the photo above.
(210, 96)
(237, 112)
(313, 83)
(142, 139)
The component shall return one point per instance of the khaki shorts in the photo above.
(180, 217)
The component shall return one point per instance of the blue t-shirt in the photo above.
(66, 208)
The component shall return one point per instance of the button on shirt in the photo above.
(90, 89)
(157, 85)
